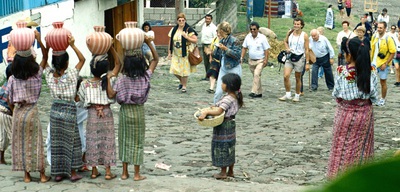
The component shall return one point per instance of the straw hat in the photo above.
(30, 23)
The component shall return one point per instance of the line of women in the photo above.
(130, 90)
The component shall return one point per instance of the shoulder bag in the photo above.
(195, 56)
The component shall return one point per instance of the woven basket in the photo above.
(217, 120)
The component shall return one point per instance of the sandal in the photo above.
(179, 86)
(110, 176)
(183, 90)
(95, 176)
(210, 91)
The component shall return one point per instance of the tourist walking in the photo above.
(208, 33)
(296, 44)
(257, 46)
(383, 50)
(182, 37)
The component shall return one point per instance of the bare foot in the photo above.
(124, 176)
(75, 178)
(27, 177)
(139, 178)
(44, 179)
(219, 176)
(230, 174)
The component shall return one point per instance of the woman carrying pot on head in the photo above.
(181, 37)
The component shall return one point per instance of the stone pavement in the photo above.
(281, 146)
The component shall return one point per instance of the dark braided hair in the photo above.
(360, 55)
(60, 62)
(233, 83)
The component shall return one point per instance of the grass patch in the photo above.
(314, 16)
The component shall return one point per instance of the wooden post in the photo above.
(269, 14)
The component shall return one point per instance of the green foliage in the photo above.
(379, 176)
(314, 16)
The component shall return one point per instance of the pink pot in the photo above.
(99, 42)
(22, 38)
(57, 38)
(130, 37)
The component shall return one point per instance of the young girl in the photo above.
(131, 91)
(23, 91)
(5, 118)
(224, 135)
(66, 154)
(100, 135)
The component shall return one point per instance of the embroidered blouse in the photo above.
(91, 93)
(63, 87)
(28, 91)
(132, 90)
(346, 85)
(229, 104)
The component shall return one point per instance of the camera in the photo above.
(381, 55)
(178, 44)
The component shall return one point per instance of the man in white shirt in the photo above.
(208, 33)
(257, 45)
(324, 53)
(384, 16)
(345, 33)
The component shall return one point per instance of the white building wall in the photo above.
(79, 18)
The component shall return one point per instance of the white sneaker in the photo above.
(296, 99)
(284, 98)
(381, 102)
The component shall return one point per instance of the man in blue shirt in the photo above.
(324, 53)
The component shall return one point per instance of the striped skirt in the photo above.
(66, 149)
(100, 137)
(5, 128)
(131, 132)
(353, 136)
(27, 146)
(223, 144)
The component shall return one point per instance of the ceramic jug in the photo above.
(57, 38)
(99, 42)
(22, 38)
(130, 37)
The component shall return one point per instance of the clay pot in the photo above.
(57, 38)
(130, 37)
(22, 38)
(99, 42)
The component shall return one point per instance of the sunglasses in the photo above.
(394, 28)
(253, 29)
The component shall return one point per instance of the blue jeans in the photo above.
(325, 64)
(222, 72)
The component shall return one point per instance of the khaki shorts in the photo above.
(297, 66)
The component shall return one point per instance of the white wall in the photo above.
(79, 18)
